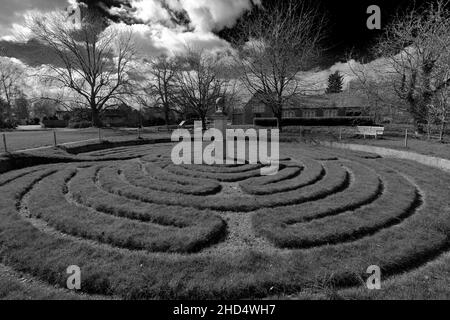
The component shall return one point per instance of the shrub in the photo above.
(284, 228)
(33, 122)
(311, 173)
(80, 124)
(154, 122)
(8, 124)
(187, 170)
(340, 121)
(172, 183)
(52, 123)
(335, 180)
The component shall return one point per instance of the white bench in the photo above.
(370, 131)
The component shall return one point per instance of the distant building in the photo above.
(121, 116)
(307, 106)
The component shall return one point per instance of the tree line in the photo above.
(415, 74)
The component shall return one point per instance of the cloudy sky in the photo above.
(165, 24)
(162, 24)
(168, 25)
(12, 12)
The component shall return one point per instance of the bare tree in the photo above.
(373, 83)
(417, 46)
(200, 81)
(439, 111)
(92, 61)
(232, 97)
(275, 44)
(22, 112)
(44, 108)
(160, 89)
(10, 77)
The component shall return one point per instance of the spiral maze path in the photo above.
(146, 228)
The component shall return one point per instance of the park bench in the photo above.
(370, 131)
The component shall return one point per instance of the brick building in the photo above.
(307, 106)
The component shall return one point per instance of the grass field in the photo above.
(431, 148)
(143, 228)
(393, 138)
(20, 140)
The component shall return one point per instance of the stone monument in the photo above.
(220, 123)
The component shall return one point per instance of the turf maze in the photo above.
(144, 228)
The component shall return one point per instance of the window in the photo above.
(259, 108)
(330, 113)
(288, 114)
(353, 112)
(309, 113)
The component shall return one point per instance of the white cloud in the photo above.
(160, 33)
(13, 12)
(154, 39)
(209, 15)
(205, 15)
(317, 81)
(149, 11)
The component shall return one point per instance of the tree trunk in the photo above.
(442, 130)
(277, 109)
(204, 123)
(416, 107)
(422, 108)
(280, 122)
(167, 117)
(417, 114)
(429, 130)
(96, 122)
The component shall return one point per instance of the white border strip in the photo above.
(59, 144)
(443, 164)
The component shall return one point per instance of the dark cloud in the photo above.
(104, 8)
(32, 52)
(125, 14)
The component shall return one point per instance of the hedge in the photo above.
(54, 123)
(48, 202)
(341, 121)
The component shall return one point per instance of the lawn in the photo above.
(20, 140)
(431, 148)
(140, 227)
(393, 138)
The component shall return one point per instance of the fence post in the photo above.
(4, 143)
(99, 134)
(139, 133)
(406, 138)
(54, 138)
(340, 133)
